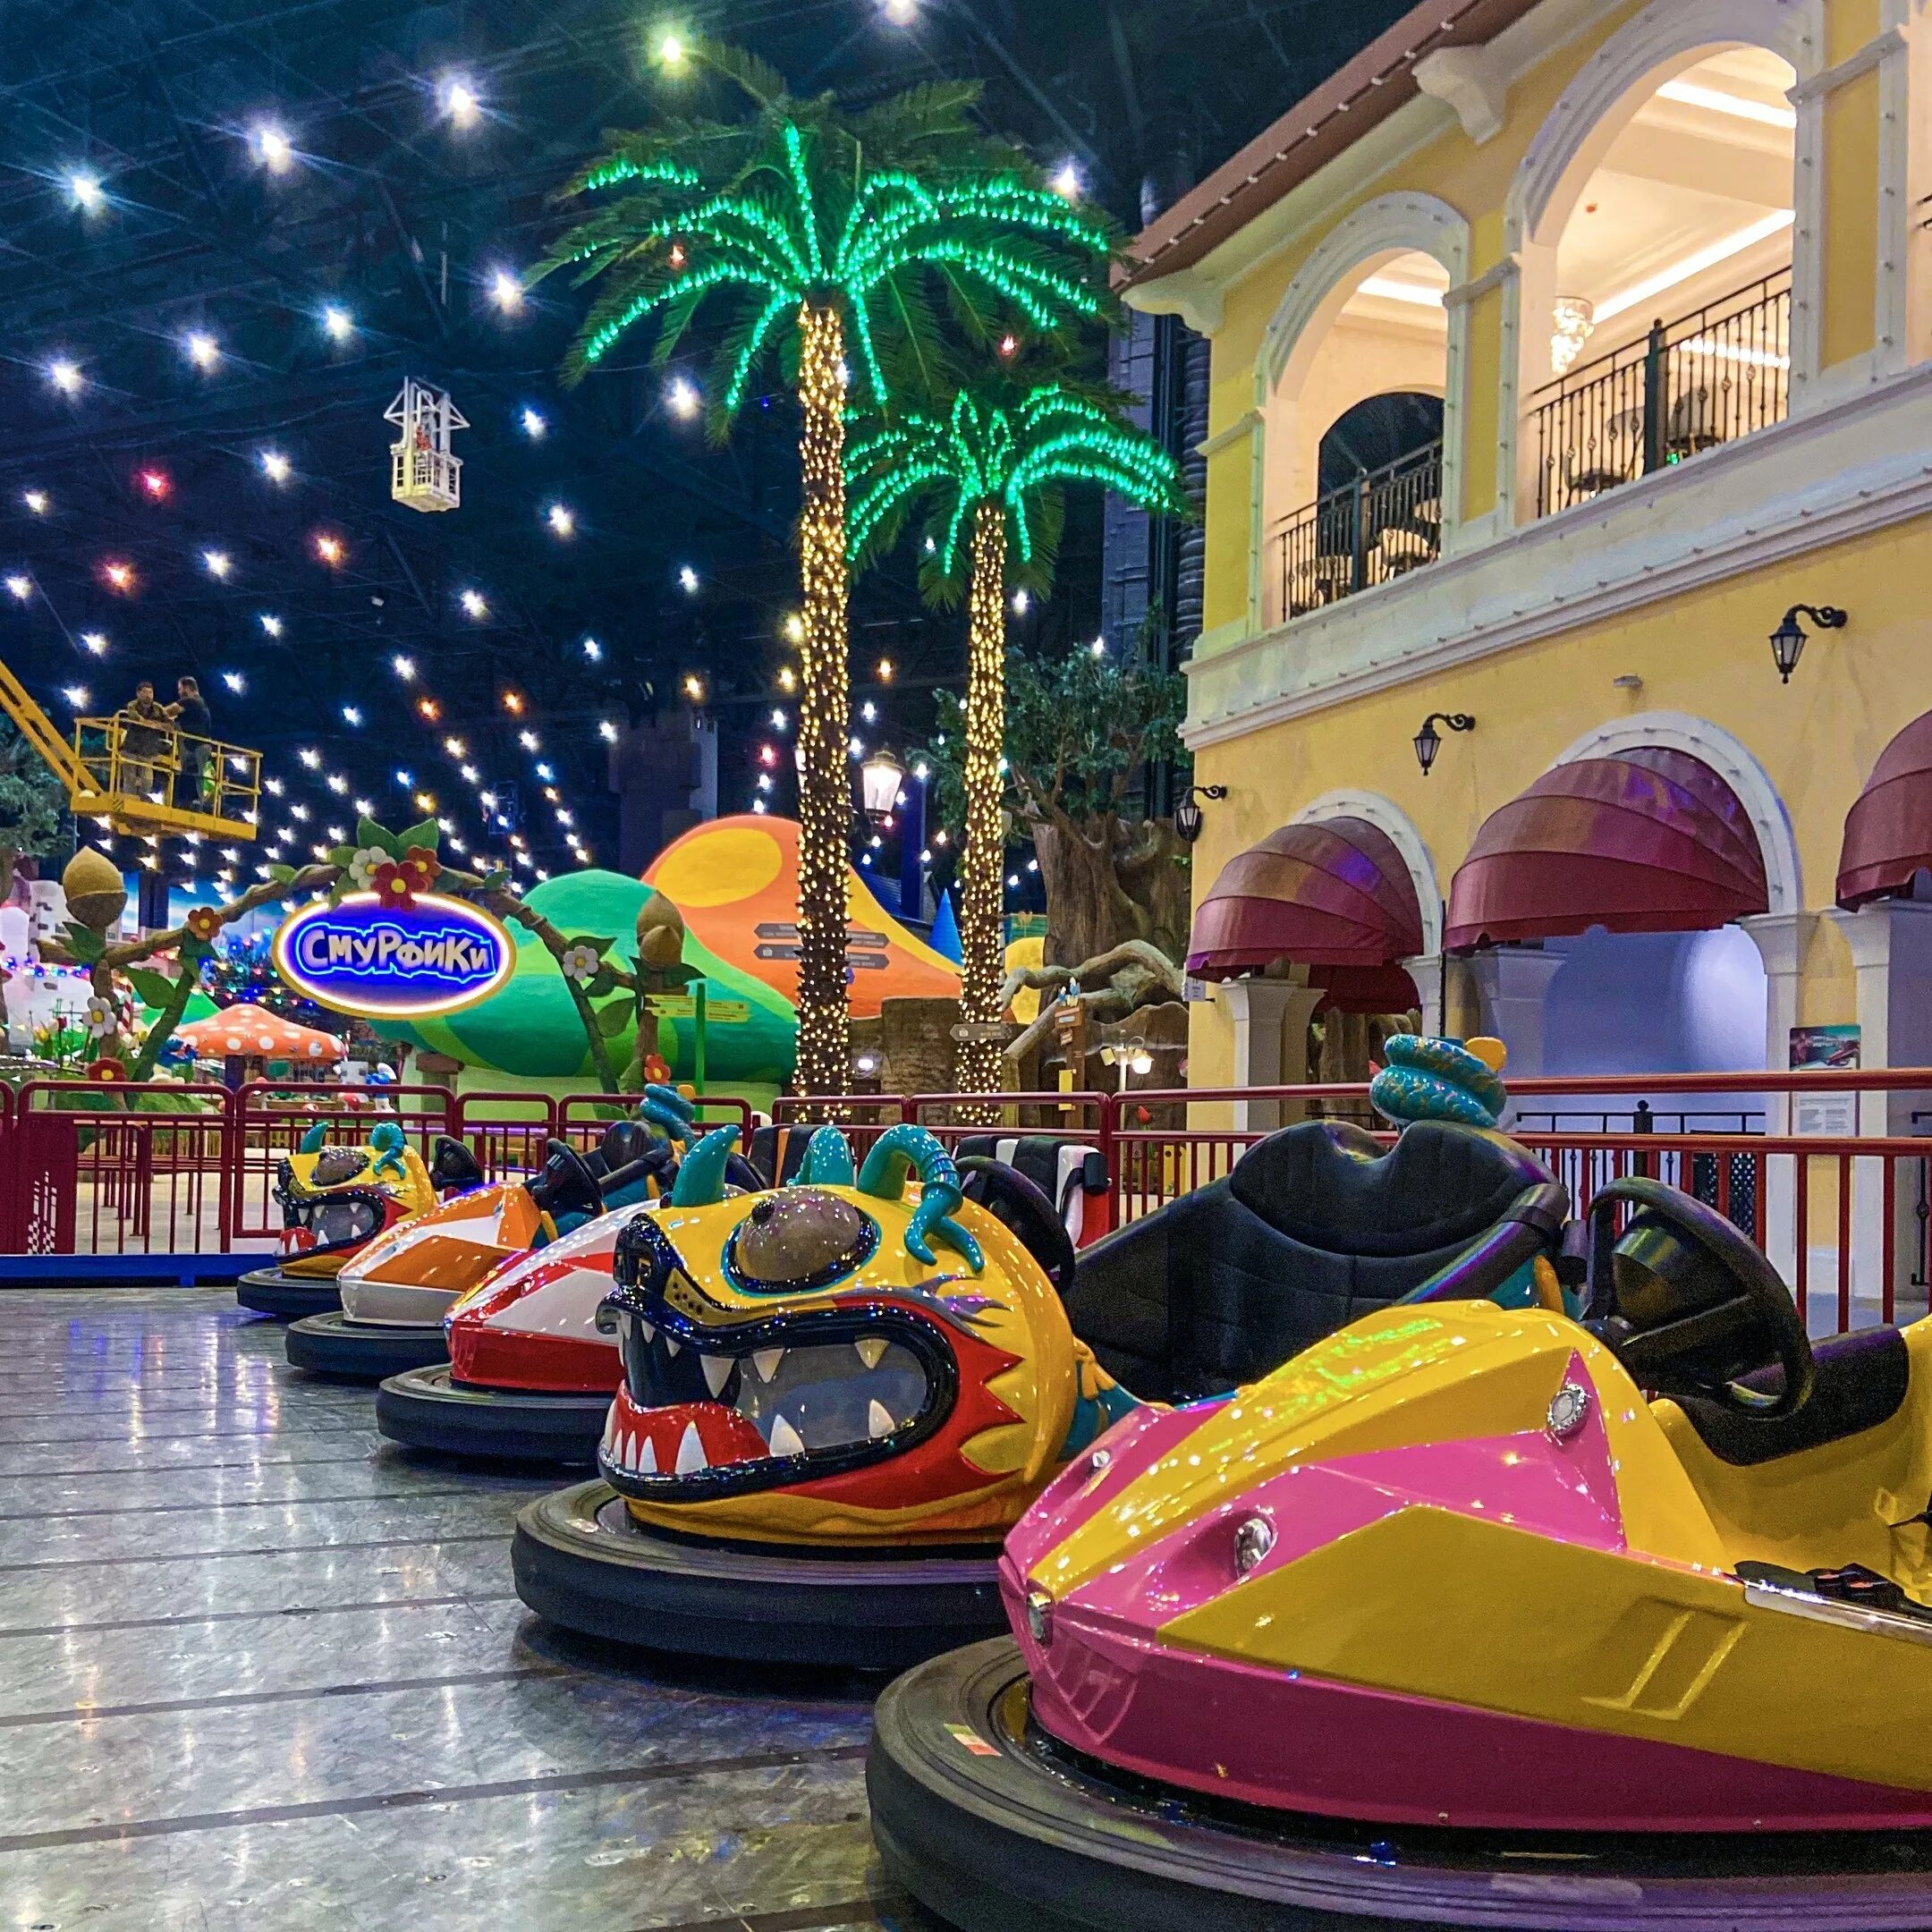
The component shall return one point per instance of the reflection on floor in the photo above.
(261, 1672)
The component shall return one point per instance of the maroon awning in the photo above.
(1333, 894)
(1648, 841)
(1888, 830)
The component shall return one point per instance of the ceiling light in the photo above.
(1067, 181)
(1717, 101)
(94, 641)
(272, 147)
(544, 771)
(787, 679)
(1021, 603)
(456, 747)
(1417, 294)
(274, 465)
(20, 587)
(217, 563)
(593, 650)
(310, 757)
(560, 519)
(474, 603)
(869, 711)
(64, 374)
(533, 424)
(687, 581)
(274, 788)
(337, 784)
(528, 740)
(271, 624)
(404, 778)
(403, 667)
(428, 709)
(794, 629)
(329, 550)
(885, 670)
(234, 681)
(155, 482)
(76, 695)
(119, 574)
(606, 730)
(470, 773)
(460, 104)
(36, 501)
(84, 189)
(681, 398)
(202, 349)
(778, 721)
(673, 52)
(351, 716)
(506, 292)
(1694, 263)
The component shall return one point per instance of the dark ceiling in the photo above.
(401, 220)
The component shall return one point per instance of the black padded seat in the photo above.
(776, 1152)
(1317, 1225)
(1862, 1381)
(1065, 1170)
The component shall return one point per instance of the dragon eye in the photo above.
(334, 1165)
(800, 1238)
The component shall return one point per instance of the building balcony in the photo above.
(1380, 526)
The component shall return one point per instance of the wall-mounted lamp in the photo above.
(1187, 814)
(1788, 640)
(1428, 740)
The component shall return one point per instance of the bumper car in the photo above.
(1469, 1615)
(820, 1408)
(334, 1201)
(529, 1375)
(396, 1291)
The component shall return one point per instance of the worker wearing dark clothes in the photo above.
(196, 727)
(146, 735)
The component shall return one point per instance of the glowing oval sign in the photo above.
(434, 955)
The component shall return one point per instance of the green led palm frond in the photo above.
(982, 450)
(801, 204)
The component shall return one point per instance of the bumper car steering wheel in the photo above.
(1009, 1197)
(566, 1185)
(1695, 1308)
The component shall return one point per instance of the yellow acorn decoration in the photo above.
(97, 895)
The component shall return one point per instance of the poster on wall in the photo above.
(1819, 1049)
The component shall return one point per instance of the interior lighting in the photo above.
(76, 695)
(528, 740)
(474, 605)
(1067, 181)
(884, 671)
(217, 563)
(429, 711)
(84, 189)
(64, 374)
(156, 484)
(471, 775)
(1417, 294)
(456, 747)
(506, 292)
(351, 716)
(606, 730)
(533, 424)
(561, 521)
(235, 681)
(779, 721)
(404, 778)
(272, 147)
(687, 581)
(787, 679)
(202, 349)
(694, 689)
(329, 550)
(461, 105)
(274, 465)
(1021, 603)
(36, 501)
(20, 587)
(338, 324)
(120, 575)
(513, 702)
(270, 623)
(403, 667)
(681, 398)
(593, 650)
(1695, 263)
(673, 52)
(424, 801)
(1716, 100)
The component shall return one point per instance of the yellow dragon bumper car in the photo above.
(837, 1396)
(334, 1201)
(1468, 1616)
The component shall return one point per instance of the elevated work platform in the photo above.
(143, 777)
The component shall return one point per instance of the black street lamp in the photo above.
(1788, 640)
(1187, 814)
(1428, 740)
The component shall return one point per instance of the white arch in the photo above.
(1392, 224)
(1735, 763)
(1395, 824)
(1667, 33)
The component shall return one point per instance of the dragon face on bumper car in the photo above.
(806, 1365)
(336, 1201)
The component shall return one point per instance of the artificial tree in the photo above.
(825, 231)
(33, 805)
(993, 469)
(1081, 730)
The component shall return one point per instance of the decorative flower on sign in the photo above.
(106, 1069)
(101, 1018)
(204, 923)
(422, 865)
(580, 963)
(364, 863)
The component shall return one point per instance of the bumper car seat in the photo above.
(1071, 1173)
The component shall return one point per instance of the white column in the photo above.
(1271, 1021)
(1512, 984)
(1781, 939)
(1891, 945)
(1426, 970)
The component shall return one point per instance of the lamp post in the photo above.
(1187, 813)
(1428, 740)
(879, 779)
(1788, 640)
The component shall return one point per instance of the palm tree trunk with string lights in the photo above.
(825, 704)
(983, 862)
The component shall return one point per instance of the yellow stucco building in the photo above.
(1659, 270)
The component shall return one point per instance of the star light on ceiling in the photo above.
(36, 501)
(274, 465)
(461, 107)
(475, 604)
(562, 523)
(217, 564)
(65, 374)
(272, 147)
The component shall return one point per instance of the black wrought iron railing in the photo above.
(1688, 385)
(1385, 523)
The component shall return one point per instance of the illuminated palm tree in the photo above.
(810, 228)
(993, 476)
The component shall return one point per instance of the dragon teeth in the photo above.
(691, 1455)
(717, 1371)
(878, 1420)
(785, 1440)
(766, 1362)
(647, 1463)
(871, 1349)
(671, 1344)
(648, 1330)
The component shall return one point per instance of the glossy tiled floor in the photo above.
(261, 1672)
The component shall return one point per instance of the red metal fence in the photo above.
(106, 1170)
